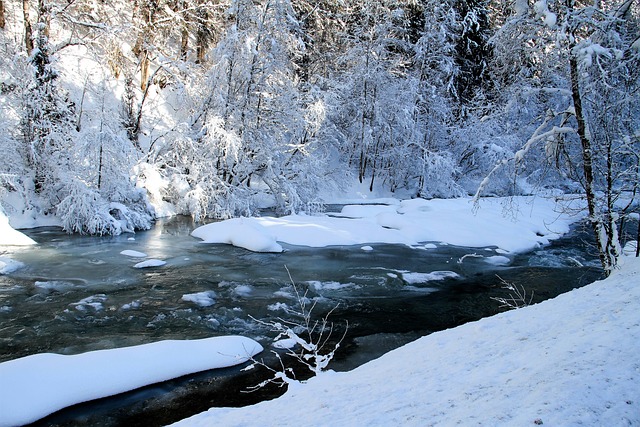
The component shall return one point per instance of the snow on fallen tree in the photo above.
(41, 384)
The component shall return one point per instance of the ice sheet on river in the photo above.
(515, 224)
(38, 385)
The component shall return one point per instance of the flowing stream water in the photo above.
(79, 293)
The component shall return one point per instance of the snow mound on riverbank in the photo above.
(516, 224)
(245, 233)
(572, 360)
(11, 237)
(38, 385)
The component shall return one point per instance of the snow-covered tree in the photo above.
(254, 132)
(578, 63)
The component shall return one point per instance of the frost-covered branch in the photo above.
(517, 298)
(539, 135)
(311, 346)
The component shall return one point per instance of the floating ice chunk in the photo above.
(243, 290)
(132, 305)
(133, 254)
(8, 265)
(203, 299)
(367, 248)
(278, 306)
(498, 260)
(150, 263)
(331, 286)
(93, 302)
(412, 278)
(54, 285)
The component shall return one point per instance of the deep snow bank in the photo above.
(11, 237)
(514, 224)
(35, 386)
(572, 360)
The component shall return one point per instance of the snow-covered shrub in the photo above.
(307, 340)
(517, 298)
(86, 211)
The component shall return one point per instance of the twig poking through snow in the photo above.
(518, 297)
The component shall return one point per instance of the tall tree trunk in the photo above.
(28, 32)
(2, 22)
(601, 235)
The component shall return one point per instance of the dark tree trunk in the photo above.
(587, 159)
(2, 22)
(28, 32)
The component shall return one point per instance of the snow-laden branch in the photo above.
(538, 135)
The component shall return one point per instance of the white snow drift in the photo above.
(513, 224)
(11, 237)
(35, 386)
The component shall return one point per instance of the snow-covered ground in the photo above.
(573, 360)
(11, 237)
(35, 386)
(513, 224)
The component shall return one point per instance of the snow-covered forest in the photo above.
(116, 112)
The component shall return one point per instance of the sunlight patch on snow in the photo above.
(11, 237)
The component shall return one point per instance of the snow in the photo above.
(7, 265)
(44, 383)
(150, 263)
(514, 225)
(11, 237)
(568, 361)
(246, 233)
(133, 254)
(413, 278)
(202, 299)
(498, 260)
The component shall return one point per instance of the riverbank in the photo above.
(567, 361)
